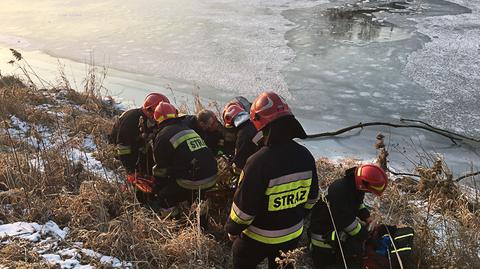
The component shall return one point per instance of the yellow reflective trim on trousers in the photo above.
(198, 184)
(124, 151)
(184, 138)
(273, 240)
(320, 244)
(237, 219)
(356, 230)
(402, 236)
(289, 186)
(401, 249)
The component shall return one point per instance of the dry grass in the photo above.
(111, 222)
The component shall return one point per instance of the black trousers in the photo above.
(248, 253)
(328, 258)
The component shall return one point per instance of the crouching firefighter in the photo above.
(278, 186)
(132, 134)
(184, 166)
(338, 223)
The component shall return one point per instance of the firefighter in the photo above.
(278, 186)
(183, 163)
(230, 134)
(132, 134)
(206, 124)
(237, 118)
(343, 202)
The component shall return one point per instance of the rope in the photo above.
(395, 248)
(335, 229)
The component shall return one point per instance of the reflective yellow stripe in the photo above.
(242, 175)
(402, 236)
(123, 150)
(289, 186)
(356, 230)
(162, 118)
(311, 202)
(274, 237)
(377, 188)
(333, 236)
(320, 244)
(183, 139)
(362, 206)
(198, 184)
(401, 249)
(239, 216)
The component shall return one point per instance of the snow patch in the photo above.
(46, 239)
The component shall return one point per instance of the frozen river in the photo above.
(336, 65)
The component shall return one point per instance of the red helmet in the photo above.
(371, 178)
(164, 111)
(230, 112)
(151, 102)
(267, 107)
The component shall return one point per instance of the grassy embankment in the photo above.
(50, 136)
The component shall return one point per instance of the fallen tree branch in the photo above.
(402, 174)
(467, 175)
(450, 135)
(445, 131)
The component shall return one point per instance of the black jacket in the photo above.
(181, 154)
(131, 135)
(244, 146)
(278, 185)
(346, 204)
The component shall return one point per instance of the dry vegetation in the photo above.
(40, 181)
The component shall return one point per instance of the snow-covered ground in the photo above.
(44, 138)
(48, 240)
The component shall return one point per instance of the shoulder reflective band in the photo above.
(123, 150)
(401, 249)
(319, 241)
(278, 184)
(198, 184)
(353, 228)
(311, 202)
(182, 136)
(239, 216)
(402, 236)
(289, 186)
(274, 236)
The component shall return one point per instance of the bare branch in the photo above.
(450, 135)
(467, 175)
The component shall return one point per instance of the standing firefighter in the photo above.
(184, 164)
(343, 203)
(237, 118)
(132, 134)
(277, 187)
